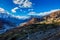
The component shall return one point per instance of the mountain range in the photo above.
(36, 27)
(8, 21)
(54, 16)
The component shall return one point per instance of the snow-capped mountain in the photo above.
(8, 21)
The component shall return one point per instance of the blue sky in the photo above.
(33, 6)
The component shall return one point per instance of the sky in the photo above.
(29, 7)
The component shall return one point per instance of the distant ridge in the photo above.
(36, 19)
(48, 28)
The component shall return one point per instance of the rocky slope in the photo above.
(47, 29)
(53, 17)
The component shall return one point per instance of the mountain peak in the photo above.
(55, 14)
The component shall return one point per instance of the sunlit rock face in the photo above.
(32, 20)
(53, 15)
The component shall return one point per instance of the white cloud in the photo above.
(54, 10)
(23, 3)
(27, 4)
(2, 10)
(14, 9)
(18, 1)
(32, 13)
(43, 13)
(21, 17)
